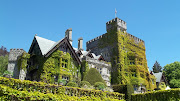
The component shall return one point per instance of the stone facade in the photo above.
(107, 50)
(102, 67)
(12, 65)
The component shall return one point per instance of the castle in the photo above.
(125, 52)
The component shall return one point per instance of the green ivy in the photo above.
(128, 59)
(22, 61)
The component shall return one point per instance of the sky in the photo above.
(154, 21)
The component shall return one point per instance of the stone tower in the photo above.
(12, 65)
(125, 52)
(116, 23)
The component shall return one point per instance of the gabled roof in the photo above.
(44, 44)
(60, 42)
(158, 76)
(47, 46)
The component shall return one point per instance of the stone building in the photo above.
(126, 54)
(41, 49)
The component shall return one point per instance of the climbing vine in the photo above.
(57, 66)
(22, 61)
(128, 59)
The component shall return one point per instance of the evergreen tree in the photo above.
(157, 68)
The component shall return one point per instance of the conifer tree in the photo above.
(157, 68)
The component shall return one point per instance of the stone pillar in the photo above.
(68, 34)
(80, 43)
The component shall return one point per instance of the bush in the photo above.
(72, 84)
(99, 85)
(162, 86)
(7, 74)
(62, 82)
(93, 76)
(125, 89)
(61, 91)
(161, 95)
(85, 83)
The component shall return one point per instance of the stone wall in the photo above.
(12, 65)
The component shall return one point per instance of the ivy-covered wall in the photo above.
(128, 59)
(54, 68)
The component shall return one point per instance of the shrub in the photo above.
(125, 89)
(161, 95)
(62, 82)
(72, 84)
(85, 83)
(162, 86)
(93, 76)
(7, 74)
(99, 85)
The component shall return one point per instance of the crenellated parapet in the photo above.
(136, 39)
(95, 40)
(14, 53)
(116, 23)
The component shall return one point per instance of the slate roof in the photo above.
(44, 44)
(158, 76)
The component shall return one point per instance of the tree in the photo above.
(3, 64)
(157, 68)
(93, 76)
(3, 51)
(172, 73)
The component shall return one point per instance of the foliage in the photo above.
(125, 89)
(7, 73)
(72, 84)
(3, 64)
(22, 61)
(93, 76)
(59, 65)
(157, 68)
(63, 82)
(85, 83)
(29, 89)
(172, 73)
(162, 86)
(84, 69)
(160, 95)
(128, 59)
(99, 85)
(3, 51)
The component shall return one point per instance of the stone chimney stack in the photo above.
(80, 43)
(68, 34)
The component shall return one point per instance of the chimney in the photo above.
(68, 34)
(80, 43)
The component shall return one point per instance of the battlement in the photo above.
(136, 39)
(14, 53)
(116, 23)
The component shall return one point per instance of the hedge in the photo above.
(33, 86)
(9, 94)
(161, 95)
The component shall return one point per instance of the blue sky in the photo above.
(154, 21)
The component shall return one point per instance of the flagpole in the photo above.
(115, 13)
